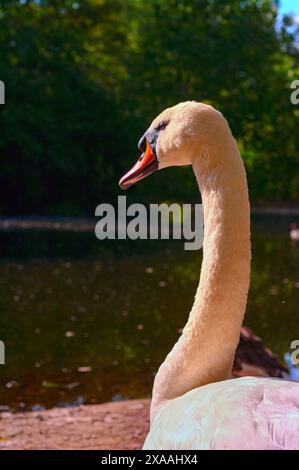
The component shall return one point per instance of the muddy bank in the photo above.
(118, 425)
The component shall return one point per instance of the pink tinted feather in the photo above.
(245, 413)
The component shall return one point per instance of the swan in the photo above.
(294, 232)
(195, 404)
(252, 357)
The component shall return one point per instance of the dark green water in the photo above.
(90, 321)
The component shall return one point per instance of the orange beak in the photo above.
(144, 166)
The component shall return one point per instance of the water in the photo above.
(85, 321)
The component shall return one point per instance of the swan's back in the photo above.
(245, 413)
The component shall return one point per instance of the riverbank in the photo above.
(114, 426)
(120, 425)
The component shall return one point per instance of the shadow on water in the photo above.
(90, 321)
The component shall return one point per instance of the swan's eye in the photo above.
(161, 126)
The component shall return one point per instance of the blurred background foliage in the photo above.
(85, 78)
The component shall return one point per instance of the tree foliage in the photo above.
(84, 79)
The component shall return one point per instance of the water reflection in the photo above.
(85, 321)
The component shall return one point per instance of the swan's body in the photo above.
(245, 413)
(194, 405)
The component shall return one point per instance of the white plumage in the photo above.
(245, 413)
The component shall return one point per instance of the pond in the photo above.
(85, 321)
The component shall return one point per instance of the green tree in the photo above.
(62, 73)
(85, 78)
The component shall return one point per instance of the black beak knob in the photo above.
(142, 144)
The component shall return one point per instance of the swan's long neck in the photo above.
(205, 351)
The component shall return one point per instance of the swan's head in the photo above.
(175, 138)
